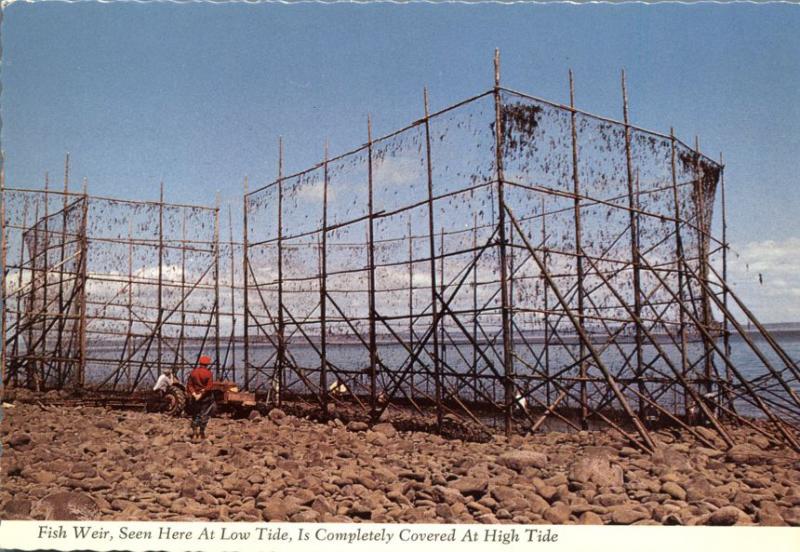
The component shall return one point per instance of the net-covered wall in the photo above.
(108, 293)
(554, 271)
(506, 260)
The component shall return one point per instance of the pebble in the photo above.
(140, 466)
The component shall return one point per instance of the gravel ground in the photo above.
(93, 463)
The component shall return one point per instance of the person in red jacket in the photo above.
(201, 398)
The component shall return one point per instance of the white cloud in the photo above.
(766, 277)
(397, 170)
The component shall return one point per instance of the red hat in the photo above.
(204, 360)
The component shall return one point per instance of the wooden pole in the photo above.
(726, 335)
(634, 231)
(703, 272)
(681, 276)
(437, 365)
(373, 347)
(508, 359)
(216, 314)
(232, 342)
(246, 283)
(323, 291)
(160, 300)
(281, 323)
(578, 252)
(4, 273)
(84, 280)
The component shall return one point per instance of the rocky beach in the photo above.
(95, 463)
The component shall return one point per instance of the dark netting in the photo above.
(394, 259)
(506, 260)
(114, 291)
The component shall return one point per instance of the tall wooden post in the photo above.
(4, 274)
(129, 380)
(702, 234)
(84, 281)
(246, 285)
(437, 364)
(410, 302)
(45, 248)
(545, 288)
(232, 341)
(508, 361)
(160, 299)
(373, 347)
(679, 260)
(726, 336)
(323, 291)
(216, 313)
(62, 364)
(633, 206)
(281, 323)
(30, 352)
(578, 251)
(474, 367)
(182, 335)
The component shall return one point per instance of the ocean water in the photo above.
(349, 363)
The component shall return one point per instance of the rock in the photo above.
(305, 516)
(447, 495)
(558, 514)
(792, 516)
(17, 508)
(44, 477)
(770, 515)
(672, 458)
(747, 454)
(537, 504)
(728, 515)
(672, 519)
(104, 424)
(674, 490)
(590, 518)
(488, 519)
(322, 506)
(19, 440)
(698, 489)
(377, 439)
(385, 428)
(66, 506)
(597, 470)
(444, 511)
(505, 494)
(710, 453)
(760, 441)
(360, 510)
(470, 486)
(254, 415)
(276, 415)
(625, 515)
(274, 509)
(521, 459)
(357, 426)
(93, 484)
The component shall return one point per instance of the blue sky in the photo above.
(197, 95)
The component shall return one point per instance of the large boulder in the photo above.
(747, 454)
(17, 508)
(728, 515)
(596, 469)
(470, 486)
(66, 506)
(673, 459)
(520, 459)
